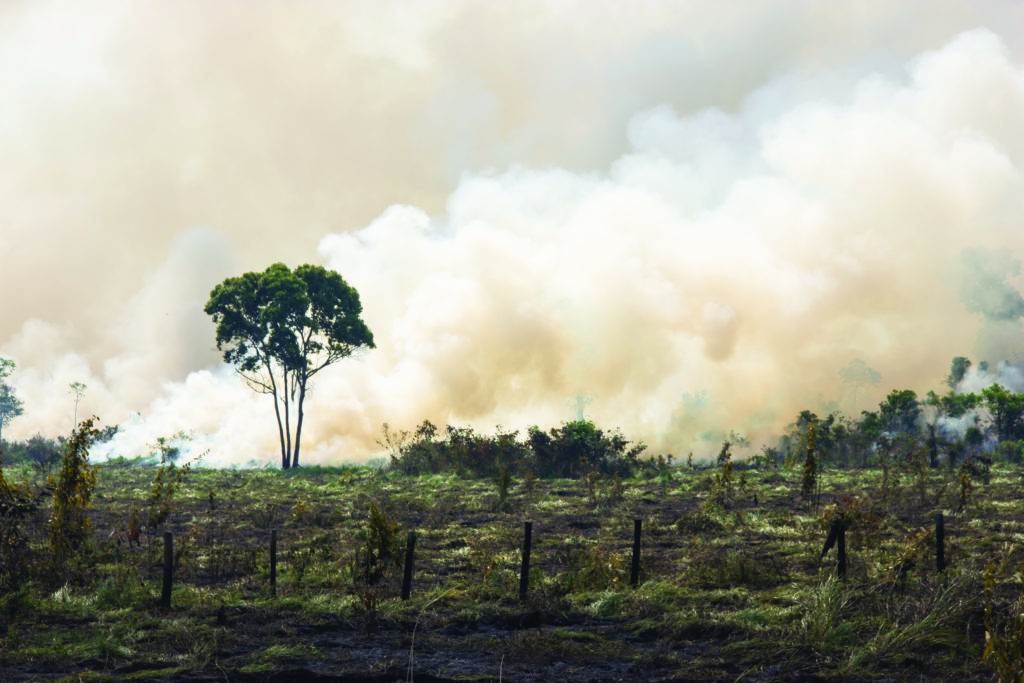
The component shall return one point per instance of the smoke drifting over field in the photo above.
(704, 227)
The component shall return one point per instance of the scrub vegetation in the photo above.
(732, 585)
(739, 575)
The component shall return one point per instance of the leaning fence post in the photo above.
(410, 546)
(836, 537)
(841, 551)
(273, 563)
(940, 542)
(524, 570)
(165, 593)
(634, 570)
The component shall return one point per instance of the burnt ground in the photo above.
(732, 587)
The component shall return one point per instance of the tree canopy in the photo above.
(281, 327)
(10, 405)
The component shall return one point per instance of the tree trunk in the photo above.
(287, 421)
(298, 424)
(277, 414)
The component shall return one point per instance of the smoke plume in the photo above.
(704, 227)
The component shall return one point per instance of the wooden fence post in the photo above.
(410, 547)
(524, 570)
(634, 570)
(165, 593)
(940, 542)
(836, 537)
(841, 551)
(273, 563)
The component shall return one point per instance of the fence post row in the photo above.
(165, 593)
(273, 563)
(524, 571)
(836, 536)
(410, 547)
(634, 569)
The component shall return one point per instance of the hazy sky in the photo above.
(698, 213)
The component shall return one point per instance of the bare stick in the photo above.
(524, 571)
(410, 548)
(634, 570)
(165, 593)
(273, 563)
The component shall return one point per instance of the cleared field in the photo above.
(732, 587)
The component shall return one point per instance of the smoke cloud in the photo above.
(701, 217)
(986, 288)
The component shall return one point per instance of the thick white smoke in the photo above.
(718, 274)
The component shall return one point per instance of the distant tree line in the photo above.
(951, 428)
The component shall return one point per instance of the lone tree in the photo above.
(77, 391)
(281, 327)
(10, 405)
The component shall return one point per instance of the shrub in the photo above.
(17, 503)
(578, 447)
(69, 524)
(122, 588)
(1004, 621)
(1010, 451)
(570, 451)
(166, 482)
(702, 520)
(721, 491)
(593, 567)
(42, 452)
(461, 450)
(377, 558)
(718, 568)
(504, 483)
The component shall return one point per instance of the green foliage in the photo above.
(578, 447)
(167, 481)
(279, 328)
(17, 504)
(1007, 411)
(77, 391)
(721, 492)
(570, 451)
(122, 588)
(958, 368)
(69, 524)
(461, 450)
(822, 608)
(504, 483)
(717, 568)
(746, 591)
(1011, 451)
(42, 452)
(10, 405)
(900, 411)
(953, 404)
(377, 558)
(1004, 618)
(702, 520)
(966, 486)
(595, 567)
(809, 480)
